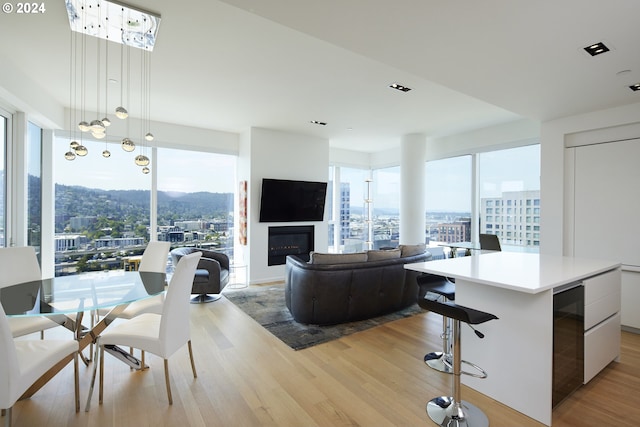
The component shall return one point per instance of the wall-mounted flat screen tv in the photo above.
(289, 201)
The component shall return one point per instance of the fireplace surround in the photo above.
(289, 240)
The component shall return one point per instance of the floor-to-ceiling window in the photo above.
(386, 207)
(510, 195)
(448, 201)
(364, 208)
(351, 219)
(4, 118)
(103, 205)
(101, 208)
(34, 186)
(196, 192)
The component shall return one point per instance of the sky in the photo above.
(448, 181)
(181, 170)
(448, 185)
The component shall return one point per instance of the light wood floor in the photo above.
(247, 377)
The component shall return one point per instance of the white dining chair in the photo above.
(154, 259)
(20, 265)
(160, 334)
(25, 361)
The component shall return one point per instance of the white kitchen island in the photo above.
(517, 351)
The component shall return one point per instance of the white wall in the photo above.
(502, 136)
(19, 93)
(280, 155)
(554, 136)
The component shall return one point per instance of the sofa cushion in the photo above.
(320, 258)
(410, 250)
(384, 254)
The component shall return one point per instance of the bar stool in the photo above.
(430, 283)
(449, 411)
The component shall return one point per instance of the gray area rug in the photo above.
(266, 305)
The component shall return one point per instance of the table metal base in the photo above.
(125, 357)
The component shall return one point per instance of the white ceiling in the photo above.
(278, 64)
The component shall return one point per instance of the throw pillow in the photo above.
(320, 258)
(380, 255)
(410, 250)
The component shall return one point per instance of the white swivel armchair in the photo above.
(160, 334)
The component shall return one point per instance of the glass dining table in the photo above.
(65, 299)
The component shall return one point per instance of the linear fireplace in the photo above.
(289, 240)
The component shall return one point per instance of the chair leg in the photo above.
(7, 419)
(101, 388)
(76, 380)
(93, 375)
(166, 377)
(193, 365)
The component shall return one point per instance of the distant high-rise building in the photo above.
(514, 217)
(457, 231)
(343, 221)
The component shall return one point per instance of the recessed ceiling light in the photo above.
(316, 122)
(635, 87)
(596, 49)
(399, 87)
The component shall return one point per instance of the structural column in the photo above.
(413, 149)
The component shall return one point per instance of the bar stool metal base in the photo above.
(445, 412)
(439, 361)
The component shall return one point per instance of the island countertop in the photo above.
(523, 272)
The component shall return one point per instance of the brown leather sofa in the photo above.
(326, 294)
(212, 274)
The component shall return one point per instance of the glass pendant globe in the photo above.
(106, 122)
(128, 145)
(74, 145)
(141, 160)
(69, 155)
(98, 135)
(84, 126)
(97, 126)
(106, 154)
(149, 136)
(122, 113)
(81, 150)
(145, 170)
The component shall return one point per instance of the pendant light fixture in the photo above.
(71, 155)
(119, 23)
(122, 112)
(105, 121)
